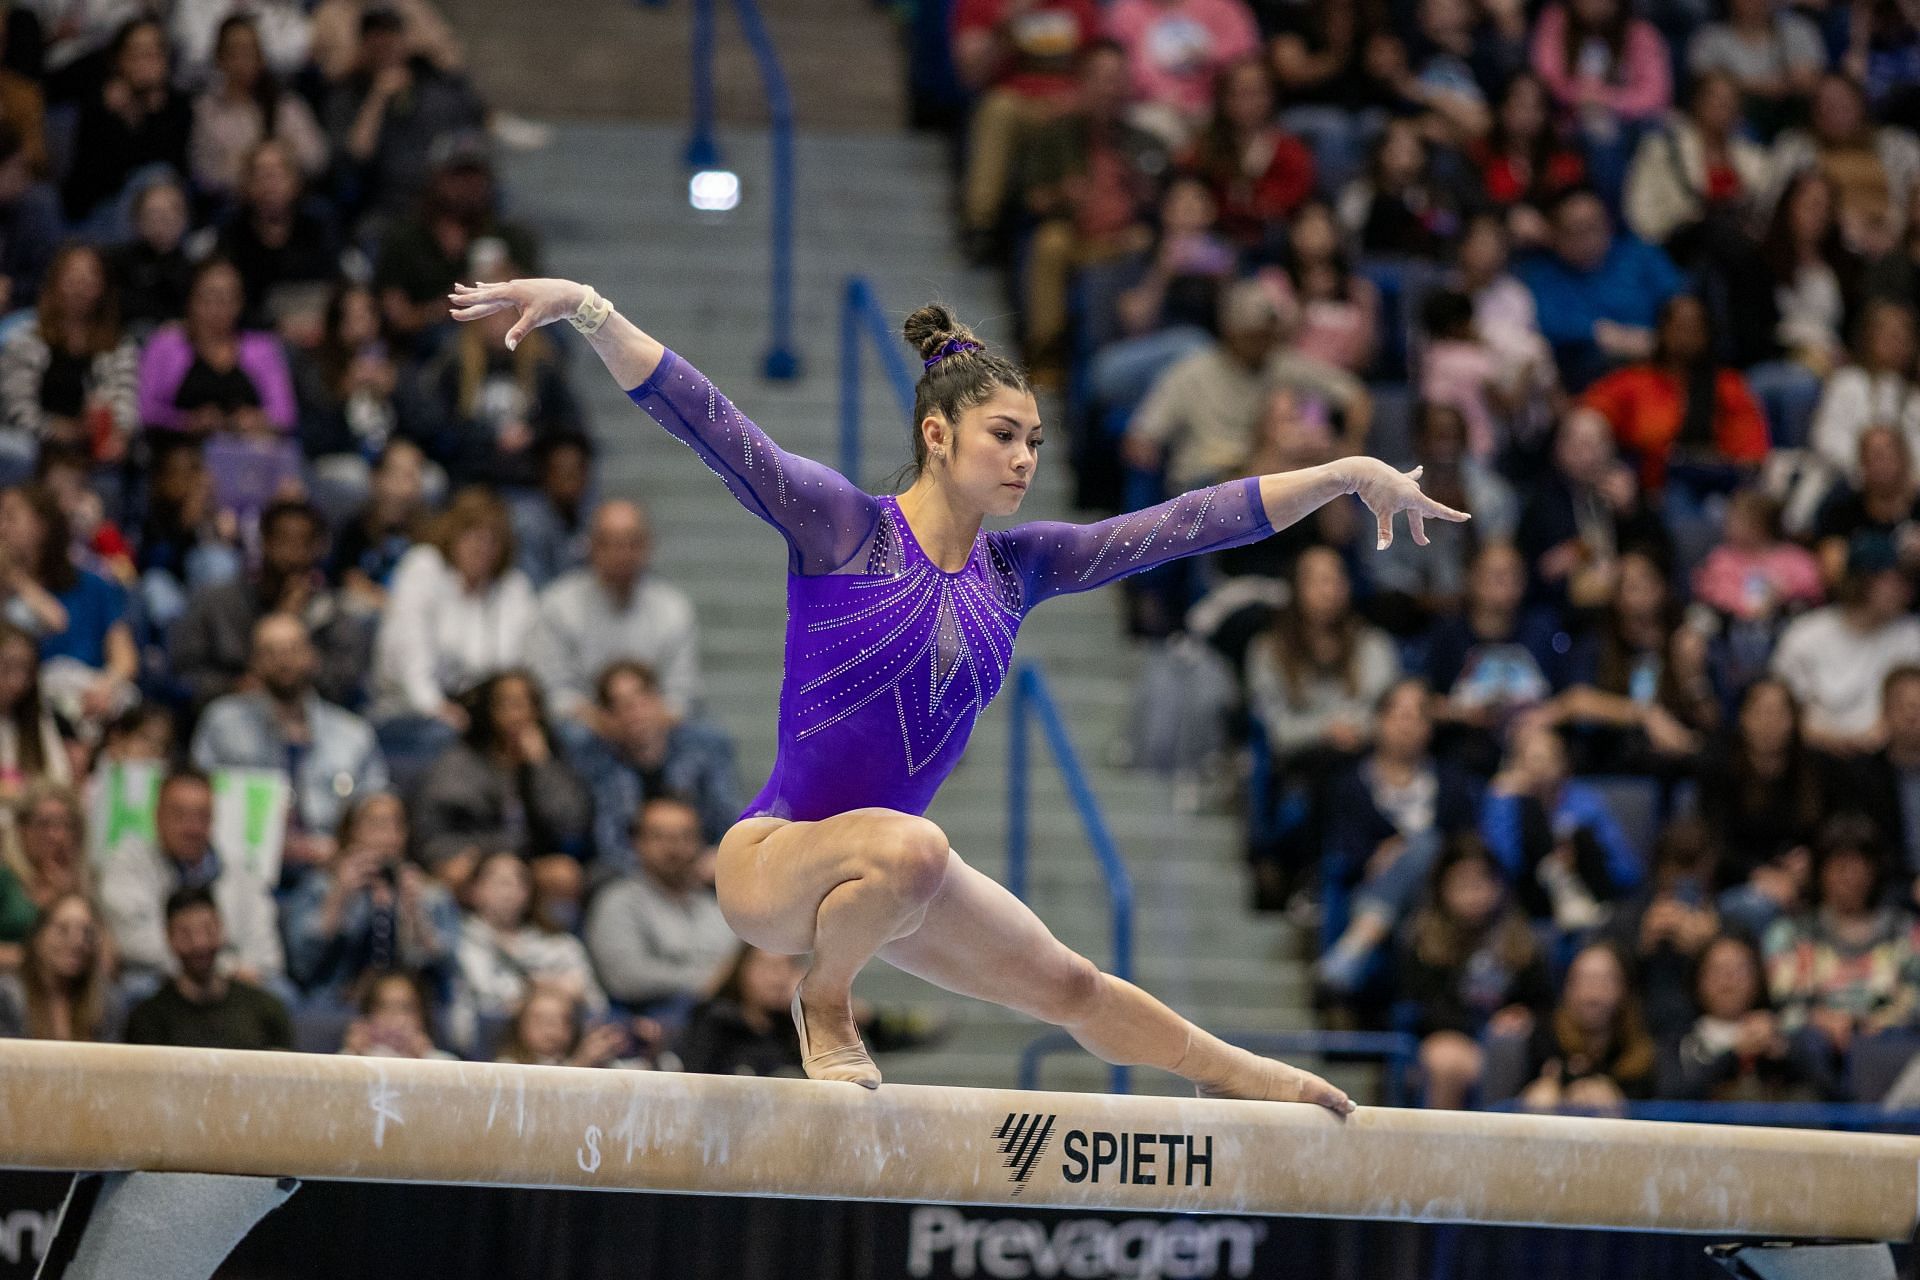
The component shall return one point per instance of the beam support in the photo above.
(158, 1226)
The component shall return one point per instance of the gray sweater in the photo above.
(650, 944)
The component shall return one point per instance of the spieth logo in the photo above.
(1023, 1139)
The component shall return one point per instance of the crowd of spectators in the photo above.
(1613, 792)
(277, 538)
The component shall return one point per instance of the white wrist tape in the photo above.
(592, 313)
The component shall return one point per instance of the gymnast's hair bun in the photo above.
(933, 327)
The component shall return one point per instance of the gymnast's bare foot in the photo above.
(830, 1046)
(1266, 1080)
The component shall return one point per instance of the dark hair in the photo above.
(513, 1041)
(291, 509)
(1628, 1043)
(733, 986)
(332, 355)
(1899, 675)
(1560, 199)
(207, 266)
(137, 717)
(644, 673)
(958, 377)
(357, 809)
(1400, 685)
(1701, 413)
(1428, 414)
(54, 569)
(123, 36)
(183, 776)
(11, 143)
(1539, 148)
(1853, 833)
(1618, 657)
(1613, 32)
(1446, 313)
(379, 19)
(1217, 153)
(675, 798)
(479, 707)
(181, 901)
(100, 326)
(1762, 998)
(1687, 844)
(552, 443)
(1442, 941)
(366, 990)
(1292, 650)
(1777, 249)
(1340, 262)
(1802, 778)
(266, 89)
(55, 454)
(1095, 48)
(27, 716)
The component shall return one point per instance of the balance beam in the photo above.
(98, 1108)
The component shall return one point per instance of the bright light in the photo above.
(714, 191)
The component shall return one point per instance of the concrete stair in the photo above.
(610, 201)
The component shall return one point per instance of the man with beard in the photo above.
(638, 749)
(199, 1007)
(281, 722)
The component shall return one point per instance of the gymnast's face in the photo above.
(992, 453)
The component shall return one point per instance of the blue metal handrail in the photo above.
(782, 362)
(1032, 698)
(861, 313)
(1394, 1050)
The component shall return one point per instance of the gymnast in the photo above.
(901, 615)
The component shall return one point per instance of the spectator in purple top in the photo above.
(208, 375)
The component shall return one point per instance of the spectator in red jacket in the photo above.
(1680, 405)
(1018, 57)
(1258, 171)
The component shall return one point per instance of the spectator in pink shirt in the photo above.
(1609, 72)
(1597, 59)
(1175, 48)
(1756, 575)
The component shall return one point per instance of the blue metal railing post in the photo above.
(1017, 790)
(702, 151)
(852, 299)
(1031, 694)
(861, 312)
(782, 362)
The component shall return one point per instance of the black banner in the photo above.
(444, 1233)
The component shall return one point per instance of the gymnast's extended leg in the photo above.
(979, 940)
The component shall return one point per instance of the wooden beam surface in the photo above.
(113, 1107)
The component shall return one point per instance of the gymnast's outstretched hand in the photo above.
(538, 302)
(1387, 492)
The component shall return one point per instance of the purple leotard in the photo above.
(889, 658)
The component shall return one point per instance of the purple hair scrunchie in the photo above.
(953, 348)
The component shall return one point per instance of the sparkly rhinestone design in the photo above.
(890, 659)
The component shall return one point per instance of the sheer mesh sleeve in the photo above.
(1053, 558)
(824, 517)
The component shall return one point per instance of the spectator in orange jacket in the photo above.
(1680, 405)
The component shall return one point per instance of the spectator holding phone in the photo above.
(368, 909)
